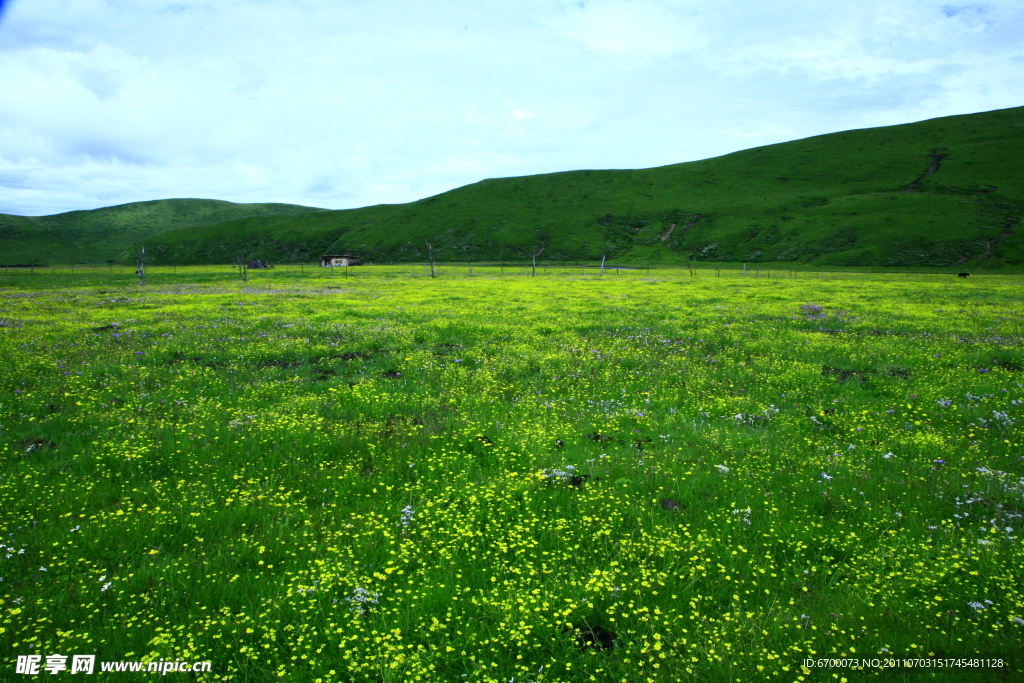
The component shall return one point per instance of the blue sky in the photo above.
(347, 103)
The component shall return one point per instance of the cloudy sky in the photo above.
(347, 103)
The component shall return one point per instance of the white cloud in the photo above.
(629, 28)
(341, 103)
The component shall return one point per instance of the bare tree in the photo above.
(534, 256)
(140, 266)
(241, 267)
(602, 264)
(243, 258)
(430, 255)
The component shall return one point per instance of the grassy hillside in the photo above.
(948, 191)
(106, 233)
(943, 192)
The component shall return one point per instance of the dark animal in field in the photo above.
(669, 504)
(595, 637)
(577, 480)
(962, 274)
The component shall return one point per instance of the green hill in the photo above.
(942, 192)
(108, 233)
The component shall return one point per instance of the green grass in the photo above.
(209, 470)
(855, 198)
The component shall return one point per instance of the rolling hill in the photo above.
(943, 192)
(108, 233)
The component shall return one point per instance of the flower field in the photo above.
(491, 477)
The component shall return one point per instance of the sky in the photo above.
(348, 103)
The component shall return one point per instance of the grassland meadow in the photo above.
(494, 478)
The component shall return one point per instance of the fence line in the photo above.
(463, 269)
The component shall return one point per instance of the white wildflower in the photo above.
(360, 599)
(407, 513)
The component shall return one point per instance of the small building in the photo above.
(340, 261)
(252, 265)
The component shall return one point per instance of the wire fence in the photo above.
(460, 269)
